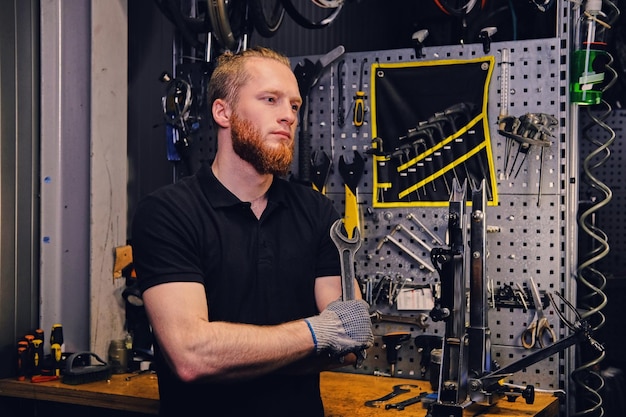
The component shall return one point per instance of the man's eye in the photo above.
(295, 107)
(271, 99)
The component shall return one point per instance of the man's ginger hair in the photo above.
(230, 73)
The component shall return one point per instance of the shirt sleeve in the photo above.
(163, 244)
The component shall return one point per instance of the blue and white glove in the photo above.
(343, 327)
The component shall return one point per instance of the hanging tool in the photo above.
(351, 174)
(530, 129)
(419, 321)
(436, 240)
(347, 247)
(425, 343)
(308, 74)
(485, 36)
(505, 64)
(534, 333)
(383, 181)
(341, 111)
(359, 100)
(321, 163)
(402, 156)
(418, 39)
(413, 236)
(389, 238)
(393, 343)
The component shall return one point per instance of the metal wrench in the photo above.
(397, 390)
(400, 405)
(347, 247)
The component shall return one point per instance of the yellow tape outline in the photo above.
(485, 144)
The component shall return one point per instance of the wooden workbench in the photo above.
(344, 395)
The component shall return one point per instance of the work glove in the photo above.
(343, 327)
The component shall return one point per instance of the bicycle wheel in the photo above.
(308, 23)
(267, 16)
(188, 26)
(229, 21)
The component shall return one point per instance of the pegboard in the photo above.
(525, 225)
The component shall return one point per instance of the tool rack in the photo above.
(527, 239)
(523, 239)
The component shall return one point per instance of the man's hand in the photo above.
(343, 327)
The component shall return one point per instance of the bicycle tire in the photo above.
(228, 21)
(188, 26)
(267, 16)
(307, 23)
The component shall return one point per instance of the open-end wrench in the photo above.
(321, 164)
(308, 74)
(397, 390)
(400, 405)
(351, 174)
(419, 321)
(347, 247)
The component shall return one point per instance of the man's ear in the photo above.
(221, 113)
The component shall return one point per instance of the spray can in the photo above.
(589, 58)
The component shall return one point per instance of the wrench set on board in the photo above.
(391, 168)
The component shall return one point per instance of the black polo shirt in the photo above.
(258, 271)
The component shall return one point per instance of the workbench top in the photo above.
(344, 395)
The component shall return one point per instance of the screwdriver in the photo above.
(359, 100)
(56, 336)
(37, 345)
(22, 359)
(29, 364)
(55, 354)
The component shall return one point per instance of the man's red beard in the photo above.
(248, 144)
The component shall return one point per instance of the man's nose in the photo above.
(288, 115)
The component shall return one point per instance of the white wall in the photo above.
(109, 167)
(84, 168)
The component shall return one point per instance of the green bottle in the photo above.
(589, 59)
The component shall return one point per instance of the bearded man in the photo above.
(239, 276)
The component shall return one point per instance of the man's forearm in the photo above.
(230, 351)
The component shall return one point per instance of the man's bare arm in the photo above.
(197, 349)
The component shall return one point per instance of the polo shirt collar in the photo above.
(219, 196)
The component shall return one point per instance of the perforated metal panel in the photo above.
(529, 228)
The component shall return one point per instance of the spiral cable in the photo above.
(591, 281)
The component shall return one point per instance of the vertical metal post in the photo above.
(479, 335)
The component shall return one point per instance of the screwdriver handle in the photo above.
(56, 335)
(37, 345)
(22, 360)
(55, 353)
